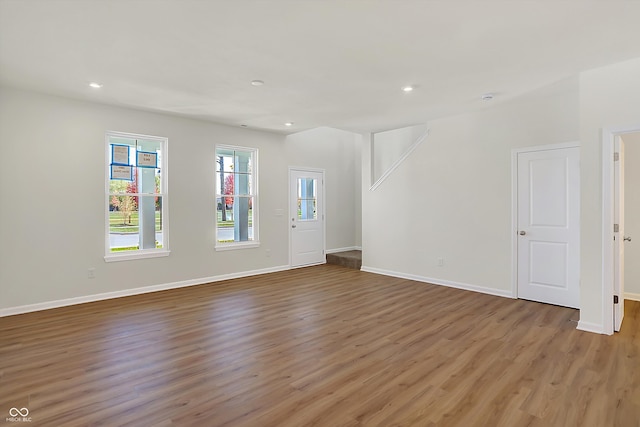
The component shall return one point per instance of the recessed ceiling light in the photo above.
(288, 124)
(487, 97)
(95, 85)
(407, 88)
(257, 82)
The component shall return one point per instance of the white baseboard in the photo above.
(590, 327)
(10, 311)
(350, 248)
(632, 296)
(447, 283)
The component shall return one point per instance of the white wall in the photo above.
(609, 98)
(389, 146)
(451, 198)
(359, 144)
(632, 215)
(52, 198)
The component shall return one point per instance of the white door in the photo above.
(618, 236)
(306, 214)
(548, 226)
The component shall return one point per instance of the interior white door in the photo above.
(618, 236)
(306, 213)
(548, 204)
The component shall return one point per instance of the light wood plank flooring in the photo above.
(318, 346)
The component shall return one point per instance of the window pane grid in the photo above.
(235, 195)
(307, 199)
(136, 213)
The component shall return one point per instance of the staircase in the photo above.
(349, 259)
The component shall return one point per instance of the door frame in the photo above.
(323, 210)
(609, 136)
(514, 203)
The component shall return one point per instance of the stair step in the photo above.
(349, 259)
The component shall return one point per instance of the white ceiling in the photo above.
(337, 63)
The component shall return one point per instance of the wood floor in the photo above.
(318, 346)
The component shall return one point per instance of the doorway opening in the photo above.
(614, 236)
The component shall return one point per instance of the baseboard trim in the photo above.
(349, 248)
(447, 283)
(11, 311)
(632, 296)
(590, 327)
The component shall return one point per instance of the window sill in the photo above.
(237, 245)
(136, 255)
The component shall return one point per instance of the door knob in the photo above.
(628, 239)
(293, 226)
(522, 233)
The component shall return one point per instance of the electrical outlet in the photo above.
(91, 273)
(440, 262)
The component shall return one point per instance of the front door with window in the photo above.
(306, 217)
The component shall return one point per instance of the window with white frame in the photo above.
(236, 197)
(136, 197)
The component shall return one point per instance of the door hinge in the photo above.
(615, 299)
(616, 228)
(616, 157)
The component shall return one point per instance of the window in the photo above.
(136, 197)
(307, 199)
(236, 198)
